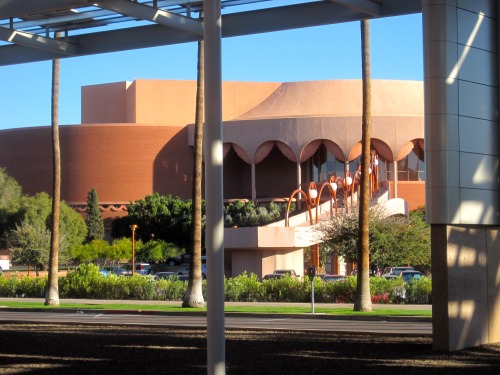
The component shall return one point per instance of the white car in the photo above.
(185, 271)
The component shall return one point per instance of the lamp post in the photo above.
(333, 187)
(133, 227)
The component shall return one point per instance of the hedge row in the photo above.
(87, 282)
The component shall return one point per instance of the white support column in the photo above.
(395, 164)
(254, 190)
(214, 190)
(299, 185)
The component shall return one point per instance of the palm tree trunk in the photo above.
(52, 292)
(363, 298)
(194, 295)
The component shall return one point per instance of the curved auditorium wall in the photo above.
(135, 139)
(123, 162)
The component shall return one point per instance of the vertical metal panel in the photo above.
(477, 101)
(461, 105)
(470, 71)
(478, 136)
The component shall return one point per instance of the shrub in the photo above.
(87, 282)
(243, 288)
(379, 288)
(248, 214)
(172, 289)
(83, 282)
(345, 291)
(419, 291)
(287, 289)
(397, 290)
(23, 286)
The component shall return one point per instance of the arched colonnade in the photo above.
(304, 157)
(281, 154)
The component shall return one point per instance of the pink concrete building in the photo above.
(136, 139)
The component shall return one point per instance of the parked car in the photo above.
(274, 276)
(115, 270)
(140, 269)
(185, 271)
(164, 275)
(286, 272)
(332, 278)
(175, 261)
(411, 275)
(104, 272)
(393, 272)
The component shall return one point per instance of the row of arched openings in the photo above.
(275, 171)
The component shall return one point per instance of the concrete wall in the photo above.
(413, 192)
(106, 103)
(264, 261)
(123, 162)
(463, 177)
(466, 286)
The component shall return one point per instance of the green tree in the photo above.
(10, 200)
(394, 240)
(122, 249)
(158, 251)
(94, 221)
(10, 192)
(92, 251)
(30, 244)
(160, 217)
(36, 210)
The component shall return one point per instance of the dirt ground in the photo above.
(83, 349)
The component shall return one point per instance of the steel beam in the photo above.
(158, 16)
(19, 8)
(234, 24)
(37, 41)
(369, 7)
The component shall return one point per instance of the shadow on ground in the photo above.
(82, 349)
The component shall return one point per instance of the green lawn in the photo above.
(275, 309)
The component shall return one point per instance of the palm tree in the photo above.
(363, 298)
(194, 295)
(52, 292)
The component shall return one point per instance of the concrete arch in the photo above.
(382, 148)
(265, 148)
(310, 148)
(240, 151)
(416, 145)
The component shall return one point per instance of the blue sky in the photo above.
(317, 53)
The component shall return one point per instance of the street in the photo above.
(308, 322)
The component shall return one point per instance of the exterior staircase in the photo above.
(276, 246)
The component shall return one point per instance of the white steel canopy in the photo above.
(27, 27)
